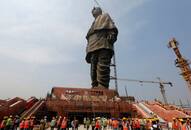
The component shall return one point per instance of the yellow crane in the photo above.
(181, 62)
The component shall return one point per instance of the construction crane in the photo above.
(181, 62)
(161, 84)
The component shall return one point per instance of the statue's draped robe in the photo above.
(98, 35)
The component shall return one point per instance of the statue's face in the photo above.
(96, 11)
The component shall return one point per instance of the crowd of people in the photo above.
(13, 123)
(120, 124)
(98, 123)
(181, 124)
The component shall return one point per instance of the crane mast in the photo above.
(181, 63)
(163, 92)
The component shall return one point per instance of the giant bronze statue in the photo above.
(100, 37)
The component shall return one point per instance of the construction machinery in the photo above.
(161, 84)
(181, 62)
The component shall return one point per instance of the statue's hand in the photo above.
(112, 37)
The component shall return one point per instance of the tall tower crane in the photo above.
(180, 62)
(161, 85)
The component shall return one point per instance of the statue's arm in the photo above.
(112, 31)
(112, 35)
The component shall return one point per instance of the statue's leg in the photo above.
(93, 69)
(103, 68)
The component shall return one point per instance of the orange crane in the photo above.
(161, 84)
(181, 62)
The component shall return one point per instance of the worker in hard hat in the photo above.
(9, 123)
(115, 124)
(27, 124)
(180, 122)
(97, 124)
(3, 123)
(21, 125)
(64, 124)
(148, 124)
(175, 124)
(124, 123)
(186, 125)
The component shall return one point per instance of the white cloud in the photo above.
(36, 55)
(43, 44)
(40, 35)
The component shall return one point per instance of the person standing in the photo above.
(9, 123)
(137, 124)
(84, 122)
(97, 125)
(21, 125)
(16, 122)
(187, 125)
(105, 123)
(110, 123)
(59, 121)
(87, 123)
(68, 124)
(93, 124)
(3, 123)
(148, 124)
(124, 124)
(26, 124)
(31, 122)
(175, 124)
(42, 124)
(115, 124)
(64, 124)
(74, 124)
(53, 123)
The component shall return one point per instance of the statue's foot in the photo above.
(99, 87)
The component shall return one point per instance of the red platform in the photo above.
(97, 102)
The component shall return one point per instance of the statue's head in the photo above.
(96, 11)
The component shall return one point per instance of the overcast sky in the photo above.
(42, 44)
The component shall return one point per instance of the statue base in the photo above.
(89, 102)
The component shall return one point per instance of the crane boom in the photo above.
(161, 83)
(144, 81)
(181, 62)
